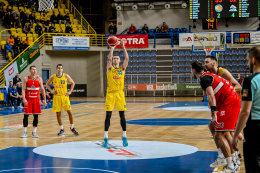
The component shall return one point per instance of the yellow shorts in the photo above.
(115, 98)
(59, 102)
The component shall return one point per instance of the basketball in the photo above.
(112, 40)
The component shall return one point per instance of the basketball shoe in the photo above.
(74, 131)
(34, 135)
(125, 142)
(218, 162)
(227, 169)
(105, 143)
(24, 135)
(62, 132)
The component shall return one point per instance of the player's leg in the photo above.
(62, 131)
(56, 107)
(240, 138)
(27, 112)
(36, 112)
(25, 124)
(35, 124)
(233, 152)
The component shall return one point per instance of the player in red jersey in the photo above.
(31, 100)
(224, 99)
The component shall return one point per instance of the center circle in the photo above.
(93, 150)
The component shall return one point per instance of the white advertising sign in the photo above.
(70, 43)
(10, 73)
(185, 39)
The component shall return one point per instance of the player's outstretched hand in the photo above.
(25, 102)
(44, 103)
(234, 143)
(68, 93)
(53, 92)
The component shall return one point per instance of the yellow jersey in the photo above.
(60, 84)
(115, 79)
(220, 70)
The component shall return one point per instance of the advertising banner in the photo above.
(185, 39)
(34, 52)
(80, 90)
(161, 87)
(70, 43)
(23, 62)
(10, 73)
(133, 41)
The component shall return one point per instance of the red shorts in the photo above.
(228, 113)
(33, 106)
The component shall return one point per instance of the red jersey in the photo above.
(32, 87)
(223, 89)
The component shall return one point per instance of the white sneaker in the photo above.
(218, 162)
(34, 135)
(237, 162)
(24, 135)
(227, 169)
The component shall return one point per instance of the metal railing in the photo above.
(79, 16)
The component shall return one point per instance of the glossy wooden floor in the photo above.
(91, 125)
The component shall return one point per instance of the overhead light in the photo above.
(134, 7)
(118, 8)
(184, 5)
(167, 6)
(151, 6)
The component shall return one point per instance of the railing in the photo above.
(79, 16)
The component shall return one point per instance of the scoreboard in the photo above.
(218, 9)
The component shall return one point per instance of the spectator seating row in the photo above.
(136, 54)
(141, 70)
(140, 79)
(190, 53)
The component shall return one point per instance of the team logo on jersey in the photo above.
(221, 125)
(245, 92)
(115, 77)
(222, 113)
(60, 86)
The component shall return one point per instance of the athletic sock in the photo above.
(234, 156)
(61, 127)
(72, 126)
(34, 129)
(124, 134)
(230, 163)
(25, 129)
(220, 154)
(105, 134)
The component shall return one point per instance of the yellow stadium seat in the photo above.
(38, 17)
(29, 35)
(57, 28)
(71, 15)
(57, 25)
(78, 32)
(84, 32)
(32, 30)
(35, 35)
(62, 25)
(23, 38)
(30, 40)
(23, 35)
(75, 21)
(3, 44)
(10, 56)
(37, 13)
(34, 25)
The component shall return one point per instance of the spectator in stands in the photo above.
(8, 9)
(9, 90)
(132, 29)
(15, 96)
(164, 28)
(27, 18)
(31, 4)
(68, 29)
(11, 40)
(3, 90)
(16, 79)
(56, 3)
(112, 28)
(17, 43)
(52, 28)
(157, 30)
(19, 3)
(9, 19)
(38, 29)
(32, 19)
(22, 17)
(16, 18)
(67, 18)
(8, 48)
(2, 11)
(19, 89)
(44, 18)
(27, 41)
(54, 18)
(43, 31)
(45, 28)
(23, 46)
(60, 18)
(145, 29)
(239, 79)
(27, 29)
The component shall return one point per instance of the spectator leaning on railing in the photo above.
(38, 29)
(132, 29)
(8, 48)
(145, 29)
(112, 28)
(164, 28)
(17, 42)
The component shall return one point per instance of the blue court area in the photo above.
(170, 122)
(24, 160)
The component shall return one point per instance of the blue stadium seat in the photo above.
(175, 53)
(188, 80)
(175, 64)
(181, 58)
(181, 64)
(220, 58)
(194, 58)
(227, 63)
(122, 59)
(227, 52)
(194, 53)
(116, 53)
(134, 79)
(175, 69)
(242, 75)
(141, 59)
(188, 69)
(241, 63)
(181, 69)
(141, 70)
(187, 53)
(220, 63)
(129, 64)
(153, 53)
(202, 53)
(227, 58)
(177, 31)
(147, 54)
(234, 63)
(135, 59)
(140, 64)
(147, 79)
(147, 59)
(147, 70)
(138, 31)
(194, 80)
(183, 30)
(234, 58)
(121, 54)
(181, 53)
(130, 59)
(175, 58)
(245, 57)
(129, 54)
(170, 30)
(135, 54)
(229, 69)
(234, 69)
(147, 64)
(153, 64)
(135, 64)
(201, 58)
(153, 79)
(154, 59)
(128, 70)
(141, 54)
(241, 69)
(188, 58)
(234, 52)
(241, 52)
(151, 30)
(153, 70)
(240, 57)
(134, 70)
(188, 64)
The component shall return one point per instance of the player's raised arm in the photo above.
(48, 85)
(72, 84)
(227, 75)
(43, 92)
(125, 64)
(109, 59)
(23, 91)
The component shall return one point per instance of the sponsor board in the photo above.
(10, 73)
(161, 87)
(80, 90)
(70, 43)
(133, 41)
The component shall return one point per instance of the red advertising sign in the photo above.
(133, 41)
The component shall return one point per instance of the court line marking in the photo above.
(127, 110)
(57, 168)
(6, 147)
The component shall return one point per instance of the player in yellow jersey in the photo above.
(61, 97)
(115, 95)
(211, 66)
